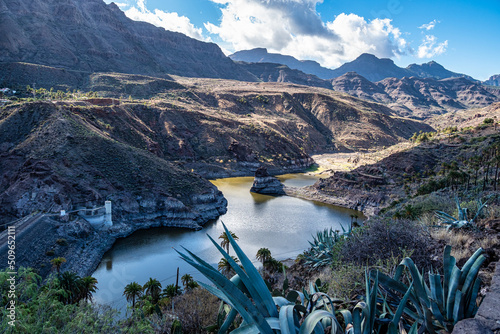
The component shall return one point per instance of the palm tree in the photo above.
(263, 255)
(88, 286)
(171, 291)
(186, 279)
(57, 263)
(132, 291)
(225, 268)
(225, 240)
(71, 284)
(152, 288)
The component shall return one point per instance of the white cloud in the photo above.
(429, 26)
(169, 21)
(430, 48)
(121, 4)
(294, 27)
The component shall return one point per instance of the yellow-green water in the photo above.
(282, 224)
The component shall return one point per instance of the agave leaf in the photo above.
(221, 295)
(312, 323)
(229, 320)
(289, 320)
(292, 296)
(438, 315)
(356, 317)
(399, 311)
(233, 296)
(322, 303)
(347, 316)
(471, 302)
(472, 274)
(481, 207)
(392, 284)
(458, 308)
(414, 328)
(420, 290)
(272, 322)
(448, 265)
(468, 265)
(281, 301)
(452, 290)
(254, 276)
(244, 279)
(437, 291)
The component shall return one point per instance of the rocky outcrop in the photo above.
(266, 184)
(487, 319)
(92, 36)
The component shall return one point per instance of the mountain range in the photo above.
(94, 36)
(85, 37)
(367, 65)
(419, 97)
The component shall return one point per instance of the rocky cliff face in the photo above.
(88, 35)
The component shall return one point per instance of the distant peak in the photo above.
(367, 56)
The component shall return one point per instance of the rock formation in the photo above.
(266, 184)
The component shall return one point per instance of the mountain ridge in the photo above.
(366, 65)
(93, 36)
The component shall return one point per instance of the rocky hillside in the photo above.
(141, 154)
(89, 35)
(62, 156)
(419, 97)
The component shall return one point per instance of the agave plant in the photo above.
(463, 213)
(444, 301)
(322, 251)
(305, 312)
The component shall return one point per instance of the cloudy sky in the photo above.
(461, 35)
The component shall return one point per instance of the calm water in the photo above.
(282, 224)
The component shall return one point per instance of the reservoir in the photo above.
(282, 224)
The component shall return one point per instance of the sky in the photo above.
(463, 36)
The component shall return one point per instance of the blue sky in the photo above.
(461, 35)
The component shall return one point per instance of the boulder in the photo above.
(266, 184)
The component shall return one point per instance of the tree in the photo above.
(88, 285)
(152, 288)
(132, 291)
(71, 284)
(225, 268)
(225, 240)
(57, 263)
(171, 291)
(263, 255)
(186, 279)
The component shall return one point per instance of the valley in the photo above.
(124, 142)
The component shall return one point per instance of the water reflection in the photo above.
(282, 224)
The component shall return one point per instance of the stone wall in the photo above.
(487, 319)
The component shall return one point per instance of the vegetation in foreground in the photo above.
(380, 288)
